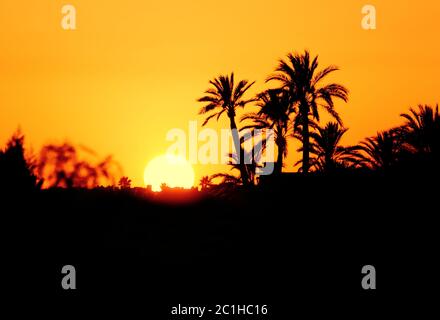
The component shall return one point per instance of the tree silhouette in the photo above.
(124, 183)
(227, 179)
(205, 183)
(422, 131)
(251, 165)
(226, 97)
(60, 166)
(299, 76)
(328, 155)
(17, 172)
(273, 114)
(381, 152)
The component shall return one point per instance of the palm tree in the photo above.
(382, 152)
(422, 130)
(226, 97)
(226, 185)
(300, 77)
(205, 183)
(227, 179)
(328, 155)
(251, 168)
(124, 183)
(273, 114)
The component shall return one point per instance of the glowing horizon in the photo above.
(174, 171)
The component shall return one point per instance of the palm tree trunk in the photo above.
(239, 151)
(306, 142)
(280, 156)
(281, 147)
(279, 164)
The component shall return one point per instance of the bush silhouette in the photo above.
(16, 172)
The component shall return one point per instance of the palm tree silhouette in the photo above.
(251, 167)
(328, 155)
(228, 179)
(124, 183)
(226, 97)
(300, 77)
(251, 170)
(422, 130)
(205, 183)
(273, 114)
(382, 152)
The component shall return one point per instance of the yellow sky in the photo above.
(133, 69)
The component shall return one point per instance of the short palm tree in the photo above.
(251, 166)
(273, 114)
(328, 154)
(381, 152)
(205, 183)
(299, 75)
(251, 169)
(226, 97)
(422, 130)
(124, 183)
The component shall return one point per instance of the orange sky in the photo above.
(133, 69)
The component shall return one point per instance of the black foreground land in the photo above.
(245, 247)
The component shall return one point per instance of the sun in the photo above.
(170, 169)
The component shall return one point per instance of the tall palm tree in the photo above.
(273, 114)
(422, 130)
(226, 97)
(328, 154)
(299, 75)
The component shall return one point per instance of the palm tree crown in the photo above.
(273, 114)
(422, 130)
(225, 96)
(299, 75)
(328, 153)
(383, 151)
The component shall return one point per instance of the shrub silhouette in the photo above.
(60, 166)
(16, 172)
(124, 183)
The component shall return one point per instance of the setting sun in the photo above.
(174, 171)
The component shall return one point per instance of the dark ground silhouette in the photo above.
(251, 247)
